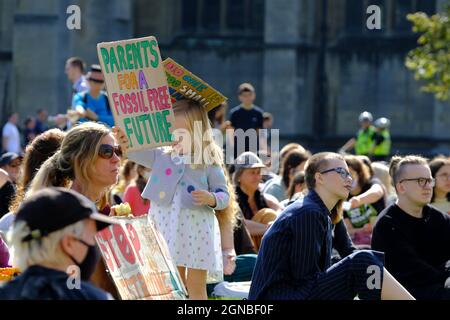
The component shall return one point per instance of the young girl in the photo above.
(132, 195)
(184, 195)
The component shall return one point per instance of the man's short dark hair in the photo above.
(76, 62)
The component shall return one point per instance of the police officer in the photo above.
(381, 140)
(363, 142)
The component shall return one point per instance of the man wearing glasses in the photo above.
(414, 235)
(294, 261)
(93, 104)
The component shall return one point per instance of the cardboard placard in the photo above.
(137, 91)
(139, 262)
(184, 84)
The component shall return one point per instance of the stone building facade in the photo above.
(314, 63)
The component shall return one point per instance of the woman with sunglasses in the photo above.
(440, 170)
(88, 162)
(294, 262)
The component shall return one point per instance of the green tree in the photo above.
(430, 61)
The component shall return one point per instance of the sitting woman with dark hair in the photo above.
(293, 162)
(440, 170)
(259, 210)
(367, 200)
(295, 189)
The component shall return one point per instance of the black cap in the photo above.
(7, 157)
(53, 209)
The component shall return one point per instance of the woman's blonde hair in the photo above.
(381, 171)
(46, 251)
(76, 158)
(195, 116)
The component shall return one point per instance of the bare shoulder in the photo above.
(4, 177)
(272, 202)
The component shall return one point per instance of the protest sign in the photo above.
(184, 84)
(139, 262)
(137, 91)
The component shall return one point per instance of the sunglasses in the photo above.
(341, 171)
(97, 81)
(106, 151)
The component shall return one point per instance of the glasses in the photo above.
(341, 171)
(96, 81)
(422, 182)
(107, 151)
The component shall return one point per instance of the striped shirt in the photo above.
(294, 252)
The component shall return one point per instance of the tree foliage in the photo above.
(430, 61)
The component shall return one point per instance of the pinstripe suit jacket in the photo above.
(294, 251)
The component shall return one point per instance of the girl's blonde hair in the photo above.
(228, 216)
(76, 158)
(195, 116)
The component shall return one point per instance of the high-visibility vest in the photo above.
(364, 142)
(384, 148)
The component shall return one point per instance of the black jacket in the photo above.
(40, 283)
(416, 249)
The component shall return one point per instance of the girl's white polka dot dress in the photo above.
(192, 235)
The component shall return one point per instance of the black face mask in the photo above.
(87, 266)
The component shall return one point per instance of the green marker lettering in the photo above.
(128, 131)
(145, 44)
(137, 130)
(167, 124)
(143, 118)
(162, 133)
(154, 53)
(105, 58)
(129, 56)
(113, 59)
(136, 47)
(121, 55)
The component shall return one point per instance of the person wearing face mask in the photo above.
(139, 206)
(54, 247)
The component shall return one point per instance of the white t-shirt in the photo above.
(11, 132)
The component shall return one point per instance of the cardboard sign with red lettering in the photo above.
(137, 91)
(184, 84)
(139, 262)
